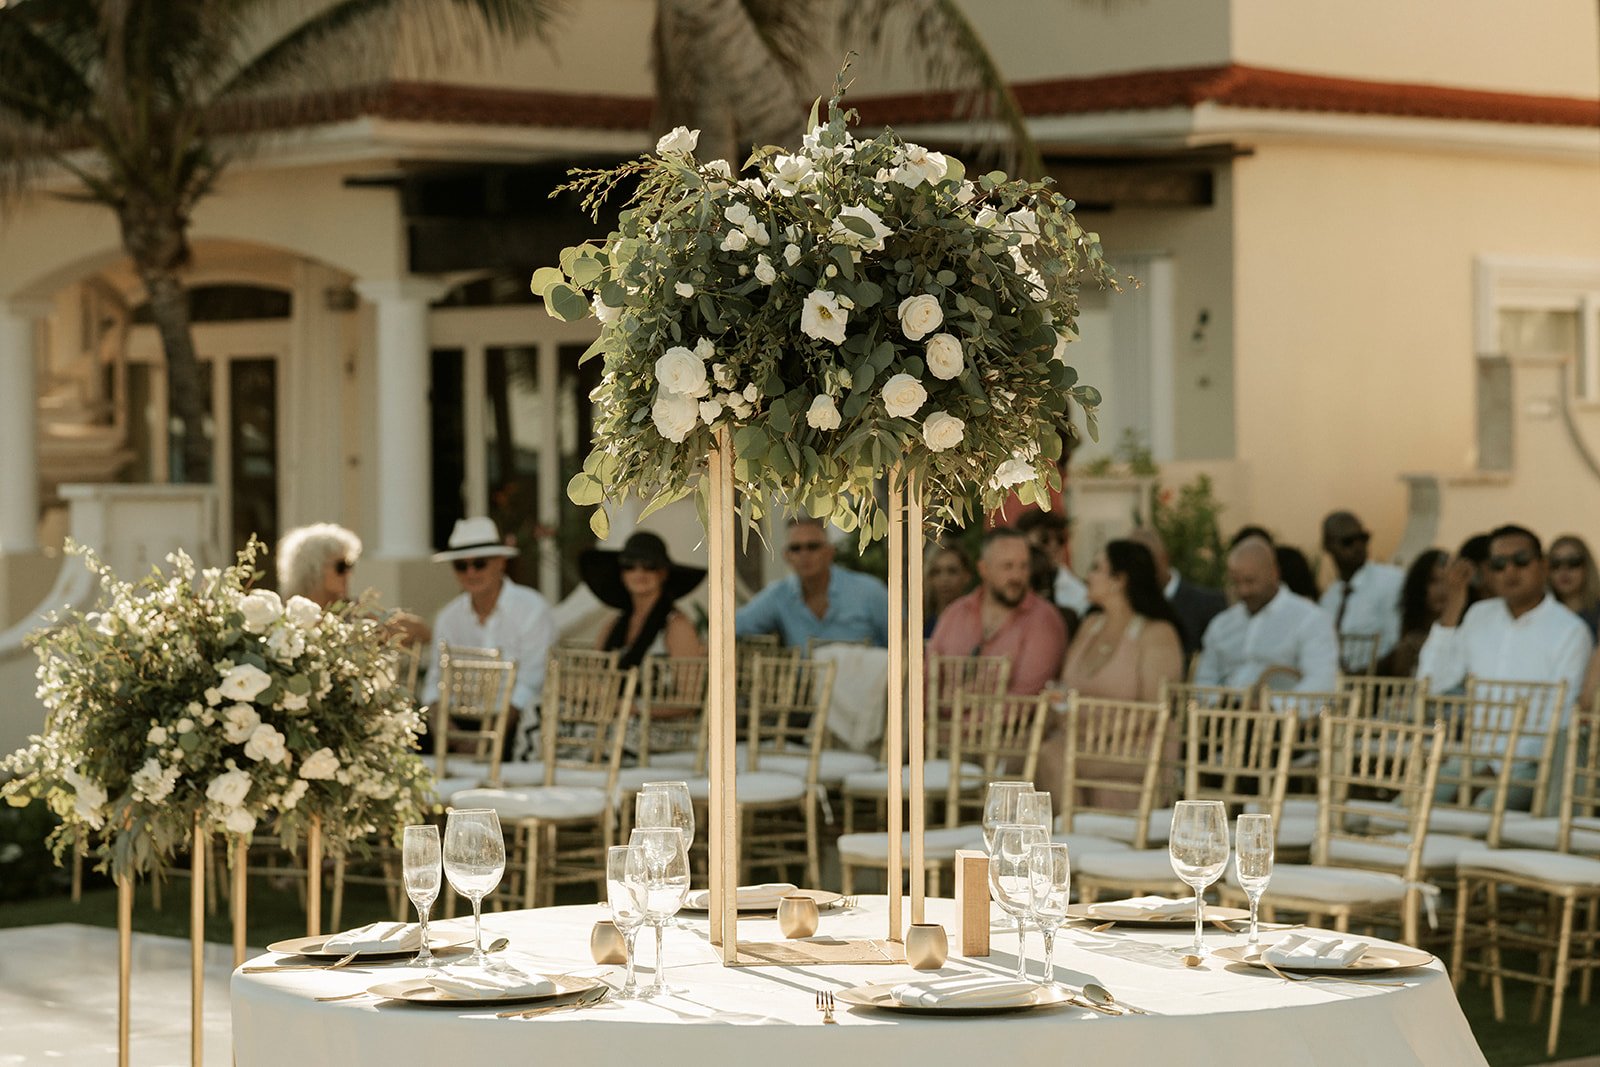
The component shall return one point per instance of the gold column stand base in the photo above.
(820, 951)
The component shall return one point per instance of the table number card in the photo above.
(972, 902)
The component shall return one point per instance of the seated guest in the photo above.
(1126, 650)
(1366, 598)
(1472, 559)
(1048, 530)
(1523, 634)
(315, 562)
(1194, 605)
(1294, 570)
(1266, 627)
(643, 583)
(1042, 573)
(494, 612)
(820, 601)
(1421, 599)
(948, 575)
(1003, 617)
(1574, 579)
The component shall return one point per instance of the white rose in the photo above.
(704, 349)
(1060, 352)
(751, 393)
(292, 795)
(722, 374)
(791, 254)
(1025, 224)
(944, 356)
(303, 611)
(156, 736)
(738, 214)
(89, 798)
(1013, 471)
(260, 610)
(720, 168)
(675, 415)
(844, 235)
(244, 682)
(185, 725)
(680, 142)
(239, 721)
(736, 241)
(988, 217)
(709, 410)
(822, 317)
(681, 371)
(754, 187)
(966, 193)
(294, 702)
(213, 696)
(903, 395)
(286, 645)
(604, 311)
(320, 765)
(757, 232)
(229, 788)
(683, 289)
(266, 743)
(790, 174)
(154, 783)
(919, 316)
(942, 430)
(766, 273)
(920, 165)
(823, 415)
(239, 821)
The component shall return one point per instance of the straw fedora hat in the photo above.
(474, 538)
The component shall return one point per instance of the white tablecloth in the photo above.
(1223, 1015)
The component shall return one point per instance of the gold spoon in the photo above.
(1101, 995)
(345, 962)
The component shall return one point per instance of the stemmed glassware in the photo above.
(1198, 848)
(1000, 806)
(1252, 862)
(474, 860)
(419, 857)
(664, 879)
(666, 804)
(1049, 893)
(1009, 877)
(626, 875)
(1034, 808)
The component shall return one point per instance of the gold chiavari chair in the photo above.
(1307, 709)
(1563, 926)
(579, 656)
(779, 796)
(672, 712)
(470, 720)
(1358, 653)
(1390, 699)
(1112, 769)
(1359, 755)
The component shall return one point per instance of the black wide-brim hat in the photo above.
(602, 570)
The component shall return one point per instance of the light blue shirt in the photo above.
(858, 610)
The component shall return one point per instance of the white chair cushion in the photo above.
(833, 765)
(1557, 868)
(1121, 827)
(935, 778)
(1297, 831)
(1543, 833)
(756, 787)
(550, 803)
(1146, 867)
(1332, 885)
(938, 844)
(442, 789)
(519, 774)
(1439, 851)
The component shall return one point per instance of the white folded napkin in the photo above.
(377, 937)
(1331, 953)
(752, 897)
(507, 983)
(965, 991)
(1142, 908)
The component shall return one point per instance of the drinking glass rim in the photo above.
(453, 812)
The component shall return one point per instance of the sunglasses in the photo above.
(805, 546)
(342, 566)
(1352, 540)
(626, 565)
(462, 566)
(1520, 558)
(1566, 563)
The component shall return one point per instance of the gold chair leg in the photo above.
(531, 865)
(1458, 950)
(1562, 973)
(1586, 981)
(336, 905)
(813, 852)
(1497, 981)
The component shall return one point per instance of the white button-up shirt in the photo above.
(1289, 631)
(520, 626)
(1547, 643)
(1374, 607)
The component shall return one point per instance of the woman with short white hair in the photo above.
(315, 562)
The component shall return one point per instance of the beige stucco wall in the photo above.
(1354, 310)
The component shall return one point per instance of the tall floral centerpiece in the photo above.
(190, 693)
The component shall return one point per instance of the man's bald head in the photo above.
(1253, 573)
(1144, 535)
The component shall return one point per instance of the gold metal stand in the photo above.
(241, 855)
(916, 691)
(124, 964)
(894, 730)
(314, 877)
(722, 804)
(197, 940)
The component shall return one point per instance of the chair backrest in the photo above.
(1358, 653)
(789, 700)
(584, 717)
(745, 652)
(1546, 701)
(1307, 709)
(672, 707)
(1478, 732)
(1580, 775)
(473, 711)
(573, 656)
(948, 678)
(1000, 733)
(1239, 756)
(1360, 755)
(466, 652)
(1382, 697)
(1104, 737)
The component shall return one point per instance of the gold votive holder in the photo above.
(606, 944)
(797, 916)
(927, 947)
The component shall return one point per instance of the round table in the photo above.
(1219, 1013)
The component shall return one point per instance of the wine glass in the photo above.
(1008, 877)
(1000, 806)
(419, 856)
(625, 877)
(1049, 893)
(474, 860)
(1034, 808)
(1252, 862)
(678, 811)
(664, 879)
(1197, 845)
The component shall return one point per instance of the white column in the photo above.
(19, 400)
(404, 465)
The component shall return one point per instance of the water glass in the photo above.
(680, 805)
(1034, 808)
(419, 857)
(1009, 877)
(1000, 806)
(474, 860)
(1252, 862)
(626, 875)
(1049, 893)
(1198, 849)
(664, 879)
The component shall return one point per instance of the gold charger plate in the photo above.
(312, 947)
(1376, 960)
(418, 991)
(881, 995)
(825, 899)
(1212, 913)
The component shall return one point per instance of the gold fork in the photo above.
(825, 1006)
(1327, 977)
(344, 962)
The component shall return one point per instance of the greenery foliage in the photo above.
(1187, 522)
